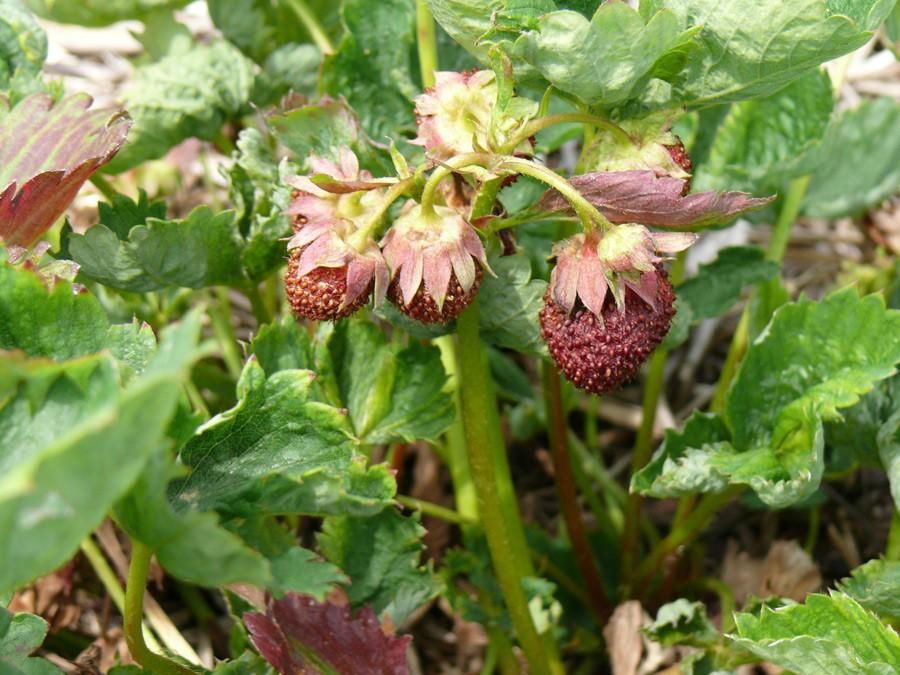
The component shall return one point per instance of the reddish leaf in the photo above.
(298, 634)
(47, 151)
(645, 198)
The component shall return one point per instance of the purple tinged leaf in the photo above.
(643, 197)
(345, 187)
(296, 633)
(47, 152)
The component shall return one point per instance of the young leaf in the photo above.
(682, 623)
(184, 95)
(876, 586)
(644, 197)
(827, 635)
(278, 451)
(23, 50)
(42, 167)
(751, 50)
(609, 59)
(510, 304)
(388, 577)
(718, 285)
(858, 165)
(20, 635)
(201, 250)
(299, 635)
(72, 444)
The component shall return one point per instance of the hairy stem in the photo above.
(497, 506)
(435, 510)
(312, 25)
(104, 186)
(134, 607)
(426, 42)
(547, 121)
(568, 495)
(445, 169)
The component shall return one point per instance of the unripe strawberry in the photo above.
(609, 303)
(435, 258)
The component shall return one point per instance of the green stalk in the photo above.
(257, 304)
(427, 43)
(892, 550)
(497, 506)
(445, 169)
(134, 608)
(547, 121)
(568, 495)
(104, 186)
(643, 445)
(312, 25)
(435, 510)
(220, 316)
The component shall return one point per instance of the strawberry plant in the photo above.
(452, 336)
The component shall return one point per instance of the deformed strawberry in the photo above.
(435, 258)
(609, 304)
(323, 293)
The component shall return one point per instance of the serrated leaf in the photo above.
(373, 64)
(99, 12)
(752, 50)
(299, 635)
(388, 577)
(21, 635)
(277, 451)
(189, 544)
(644, 197)
(827, 635)
(858, 436)
(682, 623)
(609, 59)
(204, 249)
(718, 285)
(291, 68)
(858, 166)
(812, 360)
(41, 167)
(876, 586)
(69, 454)
(763, 143)
(510, 304)
(23, 50)
(282, 346)
(184, 95)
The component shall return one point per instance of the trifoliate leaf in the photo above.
(876, 586)
(201, 250)
(718, 285)
(299, 635)
(858, 166)
(278, 451)
(42, 167)
(763, 143)
(644, 197)
(827, 635)
(812, 360)
(389, 577)
(682, 623)
(184, 95)
(751, 50)
(20, 635)
(23, 50)
(73, 444)
(373, 65)
(99, 12)
(510, 304)
(609, 59)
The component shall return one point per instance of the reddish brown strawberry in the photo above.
(680, 156)
(321, 294)
(600, 355)
(423, 308)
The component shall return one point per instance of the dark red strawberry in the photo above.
(679, 155)
(423, 308)
(321, 294)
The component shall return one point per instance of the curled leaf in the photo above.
(47, 151)
(643, 197)
(300, 636)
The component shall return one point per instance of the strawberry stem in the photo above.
(444, 169)
(548, 121)
(367, 230)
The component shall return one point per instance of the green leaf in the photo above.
(201, 250)
(373, 65)
(751, 50)
(718, 285)
(381, 555)
(23, 50)
(20, 635)
(392, 394)
(290, 68)
(682, 623)
(278, 451)
(763, 143)
(827, 635)
(71, 445)
(99, 12)
(812, 360)
(876, 586)
(858, 437)
(184, 95)
(282, 346)
(609, 59)
(858, 166)
(189, 544)
(888, 444)
(510, 305)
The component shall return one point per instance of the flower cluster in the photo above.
(609, 302)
